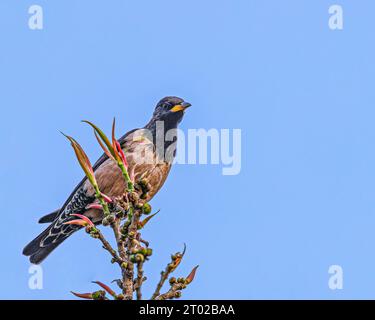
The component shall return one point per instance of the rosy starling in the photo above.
(136, 144)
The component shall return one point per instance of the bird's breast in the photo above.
(142, 164)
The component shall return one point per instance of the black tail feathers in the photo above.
(48, 218)
(39, 248)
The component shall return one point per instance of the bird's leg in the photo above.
(143, 187)
(118, 210)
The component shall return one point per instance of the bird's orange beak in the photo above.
(181, 107)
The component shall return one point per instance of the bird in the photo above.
(169, 112)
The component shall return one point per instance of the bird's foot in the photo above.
(143, 187)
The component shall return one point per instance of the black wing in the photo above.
(39, 248)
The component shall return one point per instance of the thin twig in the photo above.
(177, 285)
(176, 259)
(108, 247)
(173, 292)
(164, 276)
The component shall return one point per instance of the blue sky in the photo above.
(301, 93)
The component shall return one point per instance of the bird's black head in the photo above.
(170, 110)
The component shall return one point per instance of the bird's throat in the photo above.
(164, 134)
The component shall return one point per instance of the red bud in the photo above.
(94, 206)
(191, 275)
(83, 295)
(106, 288)
(87, 220)
(77, 222)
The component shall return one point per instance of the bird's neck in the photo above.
(158, 124)
(162, 134)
